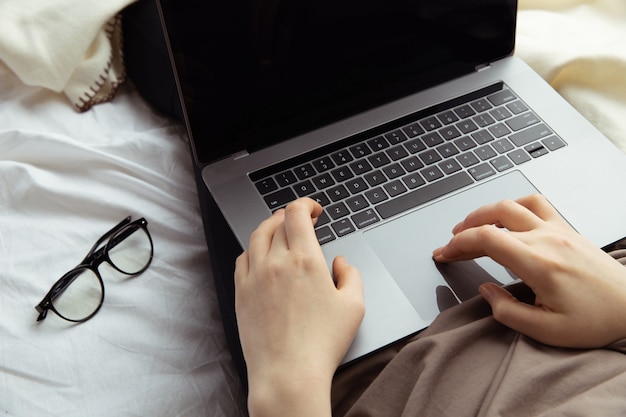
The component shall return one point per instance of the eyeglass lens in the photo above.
(82, 297)
(130, 249)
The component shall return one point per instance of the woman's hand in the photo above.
(580, 290)
(295, 323)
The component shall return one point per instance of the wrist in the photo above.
(286, 393)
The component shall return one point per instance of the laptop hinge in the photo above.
(240, 154)
(482, 67)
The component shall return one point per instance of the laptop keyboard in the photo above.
(371, 177)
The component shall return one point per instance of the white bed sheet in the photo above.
(157, 346)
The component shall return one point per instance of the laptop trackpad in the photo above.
(405, 247)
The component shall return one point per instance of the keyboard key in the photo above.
(482, 137)
(501, 163)
(304, 188)
(500, 113)
(322, 219)
(482, 171)
(502, 145)
(431, 173)
(430, 123)
(517, 107)
(286, 178)
(342, 173)
(423, 195)
(411, 164)
(323, 181)
(553, 143)
(465, 143)
(343, 227)
(464, 111)
(499, 130)
(376, 195)
(279, 198)
(395, 137)
(430, 157)
(415, 145)
(324, 235)
(467, 159)
(466, 126)
(485, 152)
(397, 152)
(365, 218)
(481, 105)
(522, 121)
(449, 166)
(448, 117)
(519, 156)
(305, 171)
(394, 188)
(375, 178)
(378, 143)
(338, 192)
(501, 97)
(413, 130)
(447, 150)
(529, 135)
(483, 120)
(449, 132)
(432, 139)
(413, 180)
(360, 167)
(266, 186)
(337, 211)
(356, 203)
(378, 159)
(323, 164)
(356, 185)
(359, 151)
(393, 171)
(321, 198)
(342, 157)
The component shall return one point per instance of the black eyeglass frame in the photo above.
(94, 258)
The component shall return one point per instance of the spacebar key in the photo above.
(424, 194)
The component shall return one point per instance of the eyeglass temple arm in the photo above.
(104, 237)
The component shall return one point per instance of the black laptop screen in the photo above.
(258, 71)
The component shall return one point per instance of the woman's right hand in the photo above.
(580, 290)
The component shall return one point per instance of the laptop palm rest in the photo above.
(405, 247)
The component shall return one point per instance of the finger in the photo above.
(299, 224)
(500, 245)
(261, 239)
(242, 266)
(540, 206)
(535, 322)
(506, 213)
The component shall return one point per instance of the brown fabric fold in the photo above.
(467, 364)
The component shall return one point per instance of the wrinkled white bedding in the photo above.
(156, 347)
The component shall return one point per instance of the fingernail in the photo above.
(488, 291)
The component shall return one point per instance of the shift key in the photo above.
(530, 135)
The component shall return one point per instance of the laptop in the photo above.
(399, 117)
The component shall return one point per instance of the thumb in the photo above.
(347, 277)
(527, 319)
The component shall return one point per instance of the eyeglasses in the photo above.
(78, 295)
